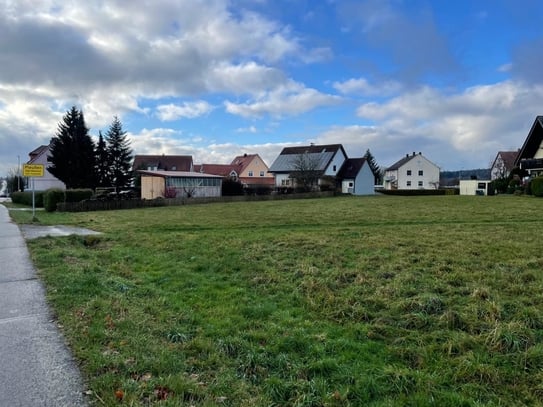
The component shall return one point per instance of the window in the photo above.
(408, 183)
(285, 182)
(250, 173)
(334, 169)
(481, 185)
(261, 173)
(408, 172)
(421, 184)
(351, 184)
(421, 173)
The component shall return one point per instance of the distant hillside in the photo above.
(452, 177)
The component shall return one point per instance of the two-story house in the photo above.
(320, 160)
(39, 156)
(503, 164)
(412, 172)
(530, 156)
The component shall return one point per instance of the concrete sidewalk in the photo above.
(36, 367)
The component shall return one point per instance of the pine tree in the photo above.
(374, 167)
(103, 178)
(72, 152)
(120, 155)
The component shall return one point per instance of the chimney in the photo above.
(407, 155)
(413, 153)
(420, 153)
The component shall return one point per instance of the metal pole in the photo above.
(33, 202)
(18, 173)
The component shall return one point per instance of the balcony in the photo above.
(531, 164)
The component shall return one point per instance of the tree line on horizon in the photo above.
(79, 162)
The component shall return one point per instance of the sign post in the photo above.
(33, 170)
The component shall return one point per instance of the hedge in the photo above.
(52, 197)
(418, 192)
(536, 186)
(25, 198)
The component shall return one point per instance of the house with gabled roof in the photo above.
(530, 156)
(253, 171)
(40, 156)
(412, 172)
(356, 177)
(503, 164)
(325, 161)
(163, 163)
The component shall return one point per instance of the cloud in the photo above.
(470, 126)
(363, 87)
(291, 98)
(188, 110)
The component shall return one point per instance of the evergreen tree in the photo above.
(377, 173)
(120, 155)
(72, 152)
(103, 178)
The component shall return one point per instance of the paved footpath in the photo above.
(36, 366)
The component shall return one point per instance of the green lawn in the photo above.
(378, 301)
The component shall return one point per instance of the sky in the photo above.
(456, 80)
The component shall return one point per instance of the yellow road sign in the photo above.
(33, 170)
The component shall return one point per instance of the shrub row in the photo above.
(25, 198)
(536, 186)
(416, 192)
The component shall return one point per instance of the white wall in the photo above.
(470, 187)
(429, 177)
(337, 161)
(364, 183)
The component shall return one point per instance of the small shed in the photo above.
(356, 177)
(475, 187)
(155, 184)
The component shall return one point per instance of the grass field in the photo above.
(377, 301)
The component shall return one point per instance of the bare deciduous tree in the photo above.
(306, 171)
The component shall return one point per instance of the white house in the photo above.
(39, 156)
(530, 156)
(356, 177)
(503, 164)
(412, 172)
(326, 160)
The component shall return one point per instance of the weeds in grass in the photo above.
(337, 302)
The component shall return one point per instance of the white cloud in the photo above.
(188, 110)
(289, 99)
(364, 87)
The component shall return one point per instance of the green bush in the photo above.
(78, 195)
(536, 185)
(25, 198)
(416, 192)
(52, 197)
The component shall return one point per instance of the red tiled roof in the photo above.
(224, 170)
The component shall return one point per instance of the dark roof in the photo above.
(401, 162)
(322, 154)
(532, 142)
(163, 162)
(351, 167)
(508, 158)
(313, 148)
(37, 152)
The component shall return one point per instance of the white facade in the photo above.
(474, 187)
(335, 164)
(48, 180)
(412, 172)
